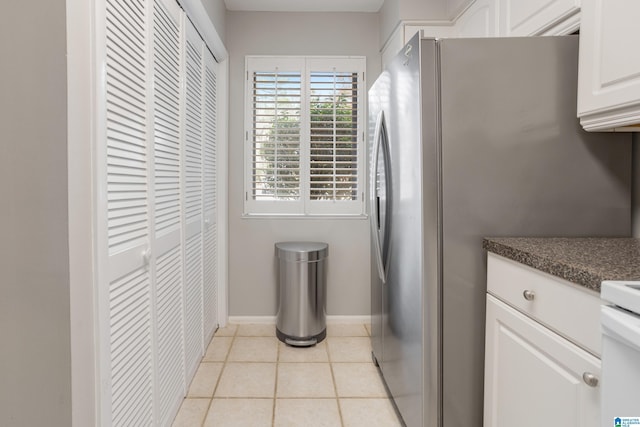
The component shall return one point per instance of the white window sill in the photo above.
(303, 216)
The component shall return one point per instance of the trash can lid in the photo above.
(302, 251)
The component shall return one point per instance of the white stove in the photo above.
(620, 353)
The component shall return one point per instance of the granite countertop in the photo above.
(586, 261)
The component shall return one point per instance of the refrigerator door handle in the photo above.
(380, 242)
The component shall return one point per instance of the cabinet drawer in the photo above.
(569, 309)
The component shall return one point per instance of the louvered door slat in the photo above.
(192, 197)
(193, 303)
(126, 132)
(210, 234)
(170, 371)
(167, 111)
(166, 120)
(130, 345)
(127, 175)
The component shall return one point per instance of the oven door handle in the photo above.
(621, 326)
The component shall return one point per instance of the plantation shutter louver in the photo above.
(333, 107)
(276, 129)
(305, 140)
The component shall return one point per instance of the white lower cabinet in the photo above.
(533, 375)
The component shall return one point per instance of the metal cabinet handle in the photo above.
(590, 379)
(529, 295)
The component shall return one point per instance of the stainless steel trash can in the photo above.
(302, 282)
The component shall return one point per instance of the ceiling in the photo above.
(305, 5)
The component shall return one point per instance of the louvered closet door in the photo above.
(210, 235)
(167, 231)
(192, 200)
(129, 273)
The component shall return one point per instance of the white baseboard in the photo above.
(348, 319)
(271, 320)
(262, 320)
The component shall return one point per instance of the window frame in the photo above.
(304, 207)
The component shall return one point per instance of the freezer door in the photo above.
(377, 131)
(380, 200)
(403, 364)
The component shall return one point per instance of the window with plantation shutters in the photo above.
(304, 136)
(276, 135)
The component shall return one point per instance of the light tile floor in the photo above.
(248, 378)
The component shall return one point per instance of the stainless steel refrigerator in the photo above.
(472, 138)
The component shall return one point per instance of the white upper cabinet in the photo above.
(491, 18)
(478, 20)
(609, 71)
(538, 17)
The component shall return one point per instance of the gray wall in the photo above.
(252, 269)
(35, 359)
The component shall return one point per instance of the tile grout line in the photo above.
(278, 361)
(335, 385)
(275, 386)
(224, 365)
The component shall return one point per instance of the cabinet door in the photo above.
(609, 71)
(537, 17)
(479, 20)
(534, 377)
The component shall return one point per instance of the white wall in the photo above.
(35, 359)
(252, 267)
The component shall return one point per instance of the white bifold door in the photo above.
(156, 208)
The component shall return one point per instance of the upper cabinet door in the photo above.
(538, 17)
(609, 73)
